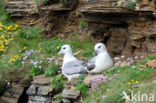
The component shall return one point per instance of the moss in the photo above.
(130, 5)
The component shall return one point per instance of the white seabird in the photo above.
(71, 67)
(102, 61)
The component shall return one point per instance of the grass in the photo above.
(58, 82)
(83, 24)
(31, 32)
(4, 17)
(52, 70)
(81, 86)
(40, 1)
(114, 88)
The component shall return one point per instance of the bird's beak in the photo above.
(95, 52)
(60, 52)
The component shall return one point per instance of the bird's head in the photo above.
(99, 48)
(65, 49)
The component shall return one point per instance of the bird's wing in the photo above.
(91, 64)
(75, 67)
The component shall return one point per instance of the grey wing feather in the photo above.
(75, 67)
(91, 64)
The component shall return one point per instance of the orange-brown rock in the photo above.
(152, 63)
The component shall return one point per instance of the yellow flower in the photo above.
(129, 83)
(58, 47)
(132, 80)
(39, 50)
(16, 25)
(2, 37)
(1, 29)
(25, 48)
(136, 82)
(1, 24)
(17, 56)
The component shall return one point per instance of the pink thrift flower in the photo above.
(111, 78)
(136, 57)
(116, 58)
(104, 96)
(8, 83)
(122, 56)
(115, 75)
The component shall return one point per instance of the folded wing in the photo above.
(91, 64)
(75, 67)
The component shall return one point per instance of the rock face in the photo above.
(152, 63)
(24, 12)
(70, 94)
(125, 32)
(88, 80)
(40, 90)
(15, 93)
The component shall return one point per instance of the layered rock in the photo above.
(15, 93)
(70, 94)
(123, 31)
(40, 90)
(24, 12)
(127, 32)
(53, 18)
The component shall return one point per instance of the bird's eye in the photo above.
(64, 47)
(99, 47)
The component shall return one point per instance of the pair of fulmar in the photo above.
(73, 67)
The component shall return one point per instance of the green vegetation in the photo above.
(4, 17)
(41, 1)
(58, 82)
(114, 4)
(53, 45)
(130, 5)
(2, 87)
(81, 86)
(31, 32)
(125, 81)
(85, 44)
(59, 96)
(52, 70)
(83, 24)
(35, 71)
